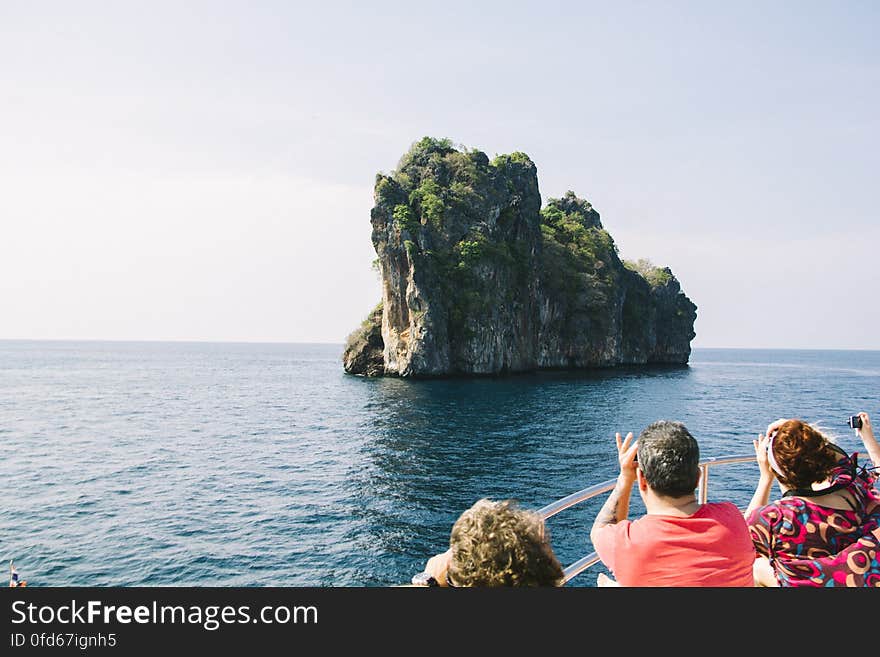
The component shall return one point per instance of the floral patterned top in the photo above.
(813, 545)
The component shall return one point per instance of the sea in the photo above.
(239, 464)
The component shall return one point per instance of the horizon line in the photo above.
(308, 342)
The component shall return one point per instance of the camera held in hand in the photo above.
(855, 422)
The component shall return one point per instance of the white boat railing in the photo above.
(569, 501)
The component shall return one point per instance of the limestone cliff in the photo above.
(477, 278)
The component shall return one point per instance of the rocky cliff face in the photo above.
(477, 278)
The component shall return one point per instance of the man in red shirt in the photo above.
(678, 542)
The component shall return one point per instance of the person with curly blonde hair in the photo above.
(495, 544)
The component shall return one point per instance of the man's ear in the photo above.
(640, 478)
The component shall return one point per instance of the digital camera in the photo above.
(855, 422)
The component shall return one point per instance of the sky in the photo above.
(204, 170)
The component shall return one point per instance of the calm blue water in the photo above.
(252, 464)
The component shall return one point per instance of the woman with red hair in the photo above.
(820, 532)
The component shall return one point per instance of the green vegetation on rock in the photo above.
(656, 276)
(579, 256)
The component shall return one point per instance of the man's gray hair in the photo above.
(669, 458)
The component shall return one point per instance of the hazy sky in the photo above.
(204, 171)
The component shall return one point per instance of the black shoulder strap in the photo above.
(809, 492)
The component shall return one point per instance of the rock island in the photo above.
(479, 279)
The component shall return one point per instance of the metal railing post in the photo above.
(704, 483)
